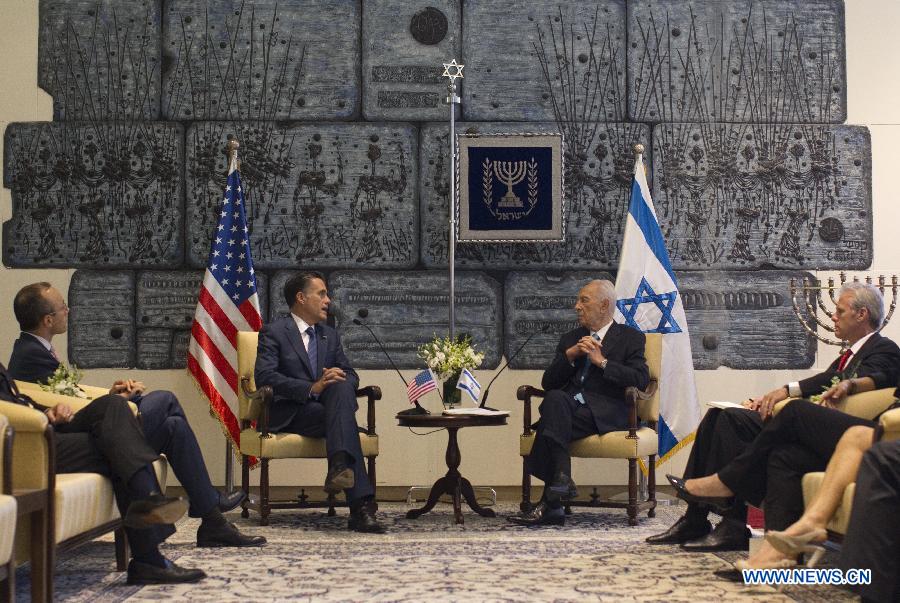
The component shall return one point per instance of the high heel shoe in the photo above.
(802, 543)
(719, 502)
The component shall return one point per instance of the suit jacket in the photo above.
(10, 393)
(282, 362)
(603, 389)
(30, 360)
(878, 358)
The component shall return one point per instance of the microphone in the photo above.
(487, 390)
(363, 313)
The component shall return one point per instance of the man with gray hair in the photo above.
(585, 387)
(726, 435)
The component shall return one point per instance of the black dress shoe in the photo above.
(564, 487)
(541, 515)
(230, 501)
(154, 510)
(225, 534)
(681, 531)
(340, 477)
(363, 520)
(144, 573)
(720, 503)
(729, 535)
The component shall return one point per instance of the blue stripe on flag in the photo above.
(646, 221)
(667, 440)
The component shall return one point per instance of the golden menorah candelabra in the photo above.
(808, 292)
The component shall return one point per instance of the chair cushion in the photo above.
(7, 527)
(83, 501)
(291, 445)
(812, 482)
(612, 445)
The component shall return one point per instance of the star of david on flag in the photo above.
(648, 300)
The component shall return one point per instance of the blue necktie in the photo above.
(583, 372)
(312, 350)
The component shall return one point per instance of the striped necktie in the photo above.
(845, 359)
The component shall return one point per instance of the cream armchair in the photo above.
(638, 441)
(257, 441)
(82, 506)
(7, 514)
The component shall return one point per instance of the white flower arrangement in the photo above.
(65, 380)
(446, 357)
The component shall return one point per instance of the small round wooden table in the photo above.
(453, 483)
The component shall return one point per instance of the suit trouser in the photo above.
(876, 505)
(169, 433)
(800, 424)
(105, 437)
(722, 435)
(563, 420)
(333, 416)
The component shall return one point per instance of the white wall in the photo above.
(490, 455)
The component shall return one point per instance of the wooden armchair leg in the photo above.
(525, 505)
(245, 485)
(8, 587)
(264, 492)
(331, 502)
(651, 485)
(632, 492)
(370, 464)
(122, 553)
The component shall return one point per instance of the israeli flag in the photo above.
(648, 300)
(468, 384)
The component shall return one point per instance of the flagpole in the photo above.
(231, 147)
(452, 70)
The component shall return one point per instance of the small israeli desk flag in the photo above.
(469, 384)
(648, 300)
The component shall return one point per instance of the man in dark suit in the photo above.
(42, 313)
(725, 435)
(315, 391)
(585, 386)
(105, 437)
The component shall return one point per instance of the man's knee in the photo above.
(555, 402)
(341, 393)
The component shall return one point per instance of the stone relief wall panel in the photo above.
(99, 59)
(404, 46)
(598, 170)
(787, 196)
(544, 60)
(407, 309)
(101, 319)
(540, 304)
(260, 60)
(753, 61)
(744, 320)
(94, 195)
(323, 195)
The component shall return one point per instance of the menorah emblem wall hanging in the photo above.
(806, 295)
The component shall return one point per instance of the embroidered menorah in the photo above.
(510, 173)
(807, 292)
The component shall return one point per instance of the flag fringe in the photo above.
(688, 439)
(235, 446)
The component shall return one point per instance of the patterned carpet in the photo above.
(312, 557)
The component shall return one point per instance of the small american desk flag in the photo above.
(228, 303)
(420, 385)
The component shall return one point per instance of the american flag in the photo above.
(420, 385)
(228, 303)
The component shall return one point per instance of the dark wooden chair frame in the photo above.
(632, 395)
(264, 504)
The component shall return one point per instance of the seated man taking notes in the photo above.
(585, 385)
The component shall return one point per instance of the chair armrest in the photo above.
(32, 447)
(632, 396)
(259, 400)
(94, 391)
(34, 391)
(371, 393)
(525, 393)
(888, 426)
